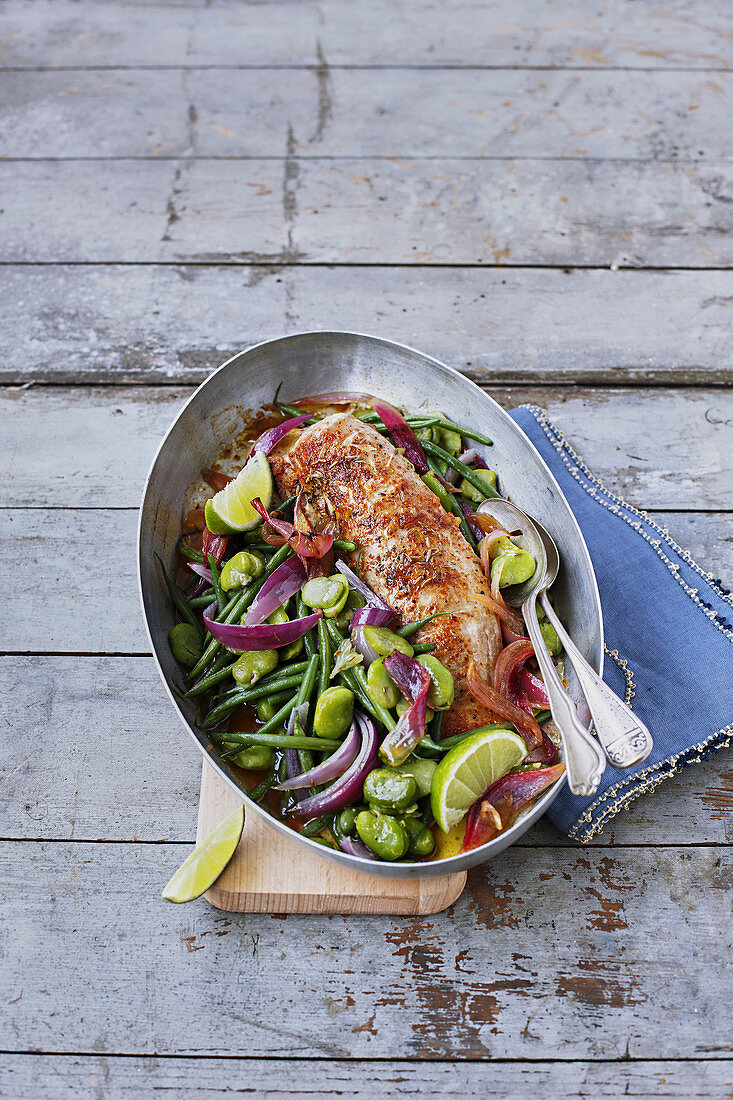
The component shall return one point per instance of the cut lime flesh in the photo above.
(230, 510)
(469, 769)
(207, 861)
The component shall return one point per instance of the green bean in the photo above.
(310, 645)
(219, 671)
(197, 603)
(345, 545)
(292, 409)
(259, 792)
(423, 647)
(314, 826)
(284, 506)
(478, 483)
(276, 741)
(179, 600)
(469, 433)
(305, 756)
(221, 599)
(245, 696)
(411, 628)
(324, 655)
(451, 742)
(187, 551)
(449, 503)
(437, 725)
(304, 694)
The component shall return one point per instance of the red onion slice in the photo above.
(501, 707)
(201, 570)
(331, 768)
(361, 645)
(244, 639)
(503, 800)
(355, 847)
(402, 435)
(339, 396)
(363, 589)
(287, 579)
(413, 681)
(348, 788)
(215, 545)
(271, 438)
(305, 546)
(533, 687)
(370, 616)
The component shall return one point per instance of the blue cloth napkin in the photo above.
(668, 634)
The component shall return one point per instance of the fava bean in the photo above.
(552, 641)
(186, 644)
(334, 712)
(293, 648)
(267, 708)
(241, 569)
(345, 821)
(420, 839)
(252, 666)
(384, 641)
(422, 771)
(382, 690)
(327, 593)
(385, 836)
(441, 692)
(388, 789)
(471, 493)
(514, 567)
(255, 758)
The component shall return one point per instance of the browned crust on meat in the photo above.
(413, 554)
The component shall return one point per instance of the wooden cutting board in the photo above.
(272, 874)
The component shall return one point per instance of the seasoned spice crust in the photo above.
(413, 554)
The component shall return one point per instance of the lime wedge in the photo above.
(231, 509)
(466, 771)
(207, 861)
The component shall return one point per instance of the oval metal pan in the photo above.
(320, 362)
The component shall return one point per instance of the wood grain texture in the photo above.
(269, 874)
(94, 751)
(176, 323)
(346, 112)
(437, 211)
(661, 449)
(55, 33)
(67, 1077)
(570, 941)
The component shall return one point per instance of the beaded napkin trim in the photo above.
(650, 778)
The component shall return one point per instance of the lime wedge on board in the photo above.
(207, 861)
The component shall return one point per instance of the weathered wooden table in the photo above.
(542, 195)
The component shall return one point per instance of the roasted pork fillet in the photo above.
(413, 554)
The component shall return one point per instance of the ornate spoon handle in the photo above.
(583, 757)
(626, 740)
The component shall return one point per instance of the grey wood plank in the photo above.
(667, 450)
(589, 954)
(37, 1076)
(52, 33)
(437, 211)
(346, 112)
(95, 752)
(175, 324)
(83, 599)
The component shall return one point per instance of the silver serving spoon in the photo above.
(625, 739)
(584, 760)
